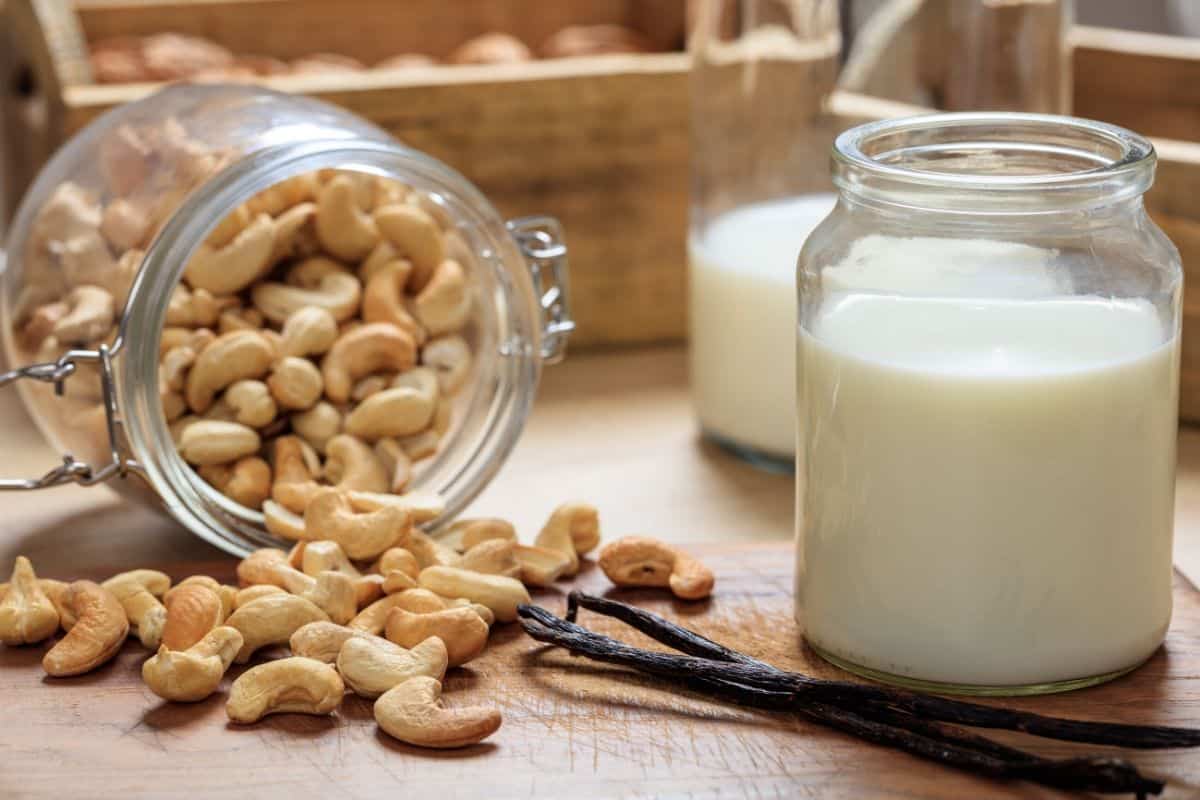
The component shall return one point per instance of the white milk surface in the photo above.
(743, 321)
(990, 485)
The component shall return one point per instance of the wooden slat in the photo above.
(1147, 82)
(370, 30)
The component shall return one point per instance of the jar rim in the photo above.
(983, 161)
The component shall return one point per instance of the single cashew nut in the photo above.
(216, 442)
(540, 566)
(428, 551)
(272, 620)
(362, 535)
(370, 665)
(294, 485)
(193, 609)
(374, 347)
(416, 237)
(27, 615)
(296, 383)
(323, 640)
(174, 366)
(451, 357)
(100, 630)
(499, 593)
(344, 229)
(232, 267)
(350, 464)
(384, 255)
(308, 331)
(295, 235)
(419, 601)
(90, 316)
(229, 358)
(338, 293)
(642, 561)
(384, 299)
(252, 593)
(226, 594)
(461, 629)
(247, 482)
(445, 304)
(398, 559)
(289, 685)
(396, 463)
(413, 713)
(318, 425)
(145, 612)
(188, 676)
(392, 412)
(492, 557)
(252, 403)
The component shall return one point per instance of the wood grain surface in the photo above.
(571, 727)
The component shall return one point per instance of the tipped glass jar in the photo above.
(203, 274)
(988, 363)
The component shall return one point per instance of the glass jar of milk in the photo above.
(988, 370)
(762, 73)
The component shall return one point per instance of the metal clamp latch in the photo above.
(541, 242)
(72, 470)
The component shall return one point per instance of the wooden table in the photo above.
(614, 429)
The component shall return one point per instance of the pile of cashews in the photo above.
(385, 629)
(327, 316)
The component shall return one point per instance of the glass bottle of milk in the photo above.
(762, 73)
(988, 365)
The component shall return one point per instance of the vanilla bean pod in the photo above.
(852, 695)
(737, 678)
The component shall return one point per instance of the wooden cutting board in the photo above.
(572, 728)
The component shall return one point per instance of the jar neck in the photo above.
(993, 164)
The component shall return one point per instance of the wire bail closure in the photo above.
(72, 470)
(541, 241)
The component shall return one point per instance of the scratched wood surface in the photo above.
(571, 728)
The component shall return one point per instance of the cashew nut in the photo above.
(99, 631)
(27, 614)
(281, 196)
(418, 601)
(229, 358)
(422, 506)
(252, 403)
(295, 383)
(444, 305)
(174, 365)
(318, 425)
(215, 442)
(428, 551)
(370, 665)
(338, 293)
(229, 268)
(294, 485)
(470, 532)
(416, 236)
(420, 445)
(383, 299)
(240, 319)
(451, 357)
(344, 229)
(362, 535)
(398, 581)
(392, 412)
(270, 620)
(308, 331)
(145, 612)
(395, 462)
(491, 557)
(188, 676)
(462, 630)
(373, 618)
(540, 566)
(193, 609)
(350, 464)
(398, 559)
(226, 594)
(91, 313)
(252, 593)
(289, 685)
(321, 556)
(323, 640)
(281, 522)
(384, 255)
(294, 233)
(413, 713)
(332, 592)
(247, 482)
(374, 347)
(642, 561)
(499, 593)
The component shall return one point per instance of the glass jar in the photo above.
(126, 204)
(762, 73)
(988, 368)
